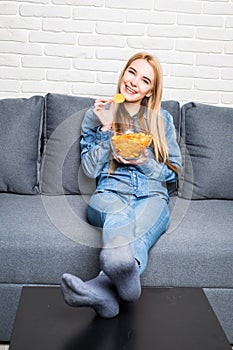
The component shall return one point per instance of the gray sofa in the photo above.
(44, 194)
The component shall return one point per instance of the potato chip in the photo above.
(130, 145)
(119, 98)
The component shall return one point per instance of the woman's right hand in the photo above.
(104, 115)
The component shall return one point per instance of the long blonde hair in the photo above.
(151, 106)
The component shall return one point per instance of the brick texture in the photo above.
(78, 47)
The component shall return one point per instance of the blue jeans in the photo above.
(142, 220)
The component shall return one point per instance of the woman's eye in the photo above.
(131, 71)
(146, 81)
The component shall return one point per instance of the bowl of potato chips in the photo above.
(130, 145)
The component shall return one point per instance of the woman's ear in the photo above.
(149, 94)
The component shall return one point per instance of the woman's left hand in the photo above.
(139, 161)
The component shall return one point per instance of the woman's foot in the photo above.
(97, 293)
(118, 263)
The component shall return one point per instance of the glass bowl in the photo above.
(130, 145)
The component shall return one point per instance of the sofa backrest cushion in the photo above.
(173, 107)
(61, 172)
(206, 145)
(20, 135)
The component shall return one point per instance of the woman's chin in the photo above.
(132, 100)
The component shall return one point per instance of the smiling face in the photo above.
(137, 81)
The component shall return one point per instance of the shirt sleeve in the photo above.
(95, 145)
(158, 170)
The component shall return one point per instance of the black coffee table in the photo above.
(162, 319)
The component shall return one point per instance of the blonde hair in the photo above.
(151, 106)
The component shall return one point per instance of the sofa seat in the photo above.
(197, 248)
(44, 239)
(33, 250)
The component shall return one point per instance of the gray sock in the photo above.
(98, 293)
(118, 262)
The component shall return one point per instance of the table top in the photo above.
(162, 319)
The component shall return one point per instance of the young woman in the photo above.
(130, 203)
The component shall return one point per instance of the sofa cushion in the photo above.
(44, 236)
(20, 134)
(173, 107)
(41, 237)
(61, 172)
(196, 250)
(206, 144)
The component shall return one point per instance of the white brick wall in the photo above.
(78, 47)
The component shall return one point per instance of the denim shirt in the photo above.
(142, 180)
